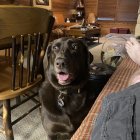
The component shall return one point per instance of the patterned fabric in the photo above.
(118, 81)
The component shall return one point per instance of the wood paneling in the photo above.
(61, 6)
(119, 10)
(127, 10)
(91, 7)
(107, 8)
(6, 1)
(16, 2)
(106, 25)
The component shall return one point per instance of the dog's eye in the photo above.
(74, 46)
(55, 48)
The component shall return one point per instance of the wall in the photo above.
(64, 6)
(92, 6)
(49, 7)
(137, 29)
(58, 6)
(106, 25)
(16, 2)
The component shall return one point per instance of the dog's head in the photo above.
(68, 62)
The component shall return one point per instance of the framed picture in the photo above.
(42, 3)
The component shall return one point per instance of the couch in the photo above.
(118, 81)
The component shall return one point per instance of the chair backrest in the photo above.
(28, 30)
(17, 20)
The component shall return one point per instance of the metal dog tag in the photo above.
(60, 102)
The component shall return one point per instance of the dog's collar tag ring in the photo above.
(79, 90)
(60, 100)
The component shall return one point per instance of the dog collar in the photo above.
(61, 97)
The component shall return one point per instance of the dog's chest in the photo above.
(71, 100)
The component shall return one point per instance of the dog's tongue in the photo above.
(63, 77)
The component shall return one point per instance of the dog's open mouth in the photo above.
(64, 78)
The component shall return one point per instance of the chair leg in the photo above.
(7, 120)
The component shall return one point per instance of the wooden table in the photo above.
(89, 33)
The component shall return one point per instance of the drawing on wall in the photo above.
(42, 2)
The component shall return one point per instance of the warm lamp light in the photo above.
(91, 18)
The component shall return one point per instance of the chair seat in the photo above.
(6, 78)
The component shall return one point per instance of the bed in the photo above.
(118, 81)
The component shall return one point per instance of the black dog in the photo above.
(65, 94)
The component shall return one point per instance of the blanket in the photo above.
(120, 116)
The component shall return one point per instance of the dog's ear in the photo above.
(46, 57)
(48, 51)
(91, 57)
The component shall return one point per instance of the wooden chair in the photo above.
(27, 29)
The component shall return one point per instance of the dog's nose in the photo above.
(60, 63)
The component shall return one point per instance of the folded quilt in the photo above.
(119, 118)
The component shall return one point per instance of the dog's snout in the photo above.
(60, 63)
